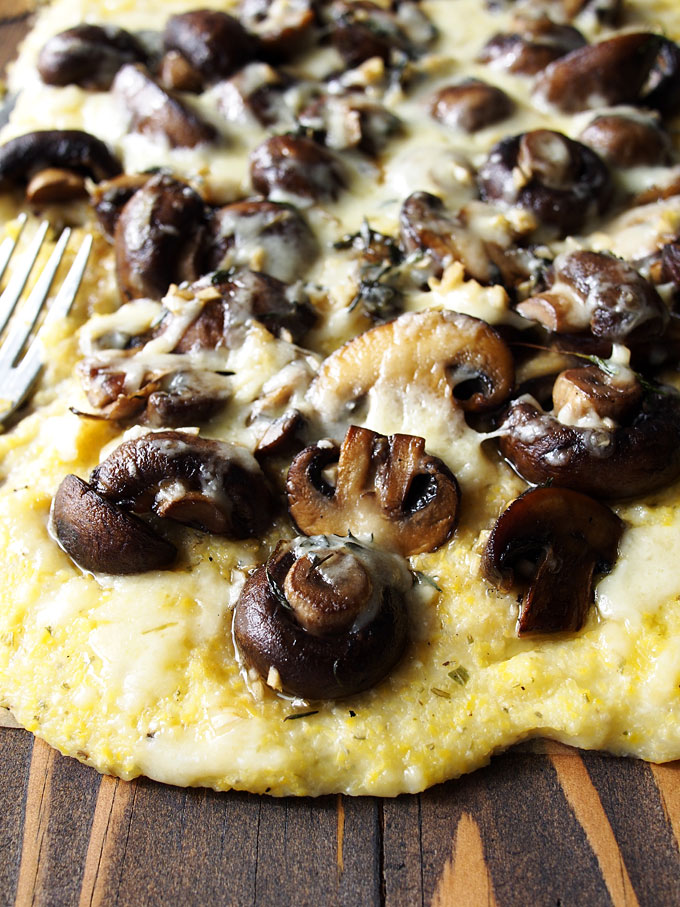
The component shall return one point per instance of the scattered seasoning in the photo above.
(277, 591)
(426, 580)
(443, 694)
(460, 675)
(352, 713)
(300, 715)
(470, 639)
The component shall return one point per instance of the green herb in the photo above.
(443, 694)
(425, 580)
(276, 590)
(297, 715)
(222, 276)
(460, 675)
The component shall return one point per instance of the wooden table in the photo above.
(543, 826)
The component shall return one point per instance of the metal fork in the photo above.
(18, 373)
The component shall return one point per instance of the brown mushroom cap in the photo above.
(432, 349)
(156, 238)
(214, 486)
(639, 456)
(285, 166)
(560, 181)
(281, 32)
(88, 55)
(386, 486)
(103, 538)
(568, 537)
(159, 113)
(356, 608)
(213, 42)
(66, 149)
(627, 140)
(604, 74)
(590, 390)
(471, 105)
(596, 291)
(531, 45)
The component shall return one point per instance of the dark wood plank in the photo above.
(645, 837)
(15, 760)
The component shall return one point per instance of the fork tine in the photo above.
(22, 325)
(8, 245)
(27, 370)
(17, 282)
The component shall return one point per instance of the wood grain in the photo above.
(563, 829)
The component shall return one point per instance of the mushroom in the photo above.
(633, 140)
(299, 169)
(618, 442)
(433, 350)
(611, 72)
(158, 113)
(177, 74)
(560, 181)
(551, 541)
(103, 538)
(262, 235)
(72, 150)
(157, 238)
(386, 486)
(350, 121)
(214, 43)
(256, 95)
(471, 105)
(109, 197)
(324, 618)
(214, 486)
(54, 185)
(282, 29)
(88, 55)
(597, 292)
(426, 226)
(533, 43)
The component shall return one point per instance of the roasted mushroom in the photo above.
(596, 292)
(261, 235)
(157, 238)
(109, 197)
(158, 113)
(350, 121)
(361, 29)
(433, 350)
(281, 29)
(287, 168)
(214, 486)
(531, 45)
(101, 537)
(214, 43)
(560, 181)
(255, 95)
(471, 105)
(324, 617)
(69, 150)
(630, 140)
(551, 541)
(611, 72)
(88, 55)
(386, 486)
(605, 437)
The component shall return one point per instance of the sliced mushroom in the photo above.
(65, 149)
(350, 121)
(287, 168)
(213, 42)
(604, 74)
(88, 55)
(628, 141)
(471, 105)
(157, 238)
(177, 74)
(533, 43)
(158, 113)
(426, 226)
(261, 235)
(103, 538)
(214, 486)
(620, 460)
(54, 185)
(386, 486)
(560, 538)
(327, 617)
(562, 182)
(597, 292)
(433, 350)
